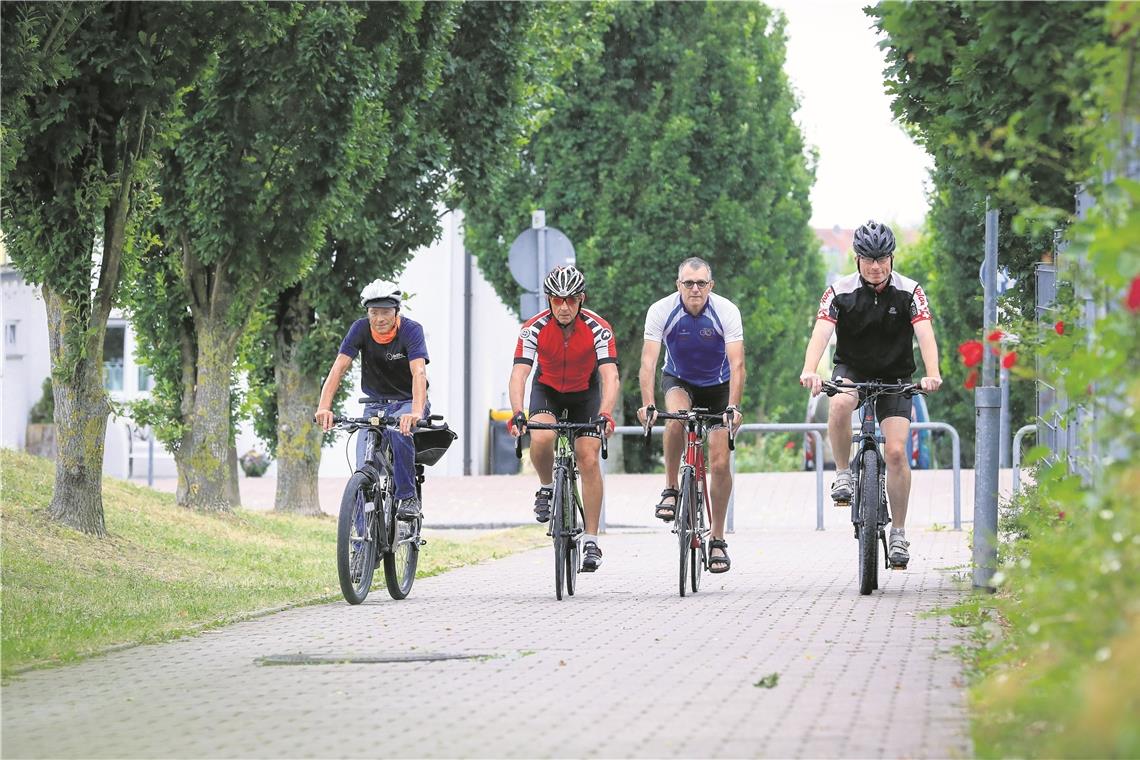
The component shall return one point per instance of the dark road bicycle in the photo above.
(367, 528)
(870, 512)
(692, 517)
(566, 516)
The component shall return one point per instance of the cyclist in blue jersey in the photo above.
(704, 367)
(393, 375)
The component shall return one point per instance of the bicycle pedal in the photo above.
(841, 503)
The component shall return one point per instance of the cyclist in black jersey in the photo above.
(876, 314)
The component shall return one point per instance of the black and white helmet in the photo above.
(874, 240)
(381, 293)
(564, 281)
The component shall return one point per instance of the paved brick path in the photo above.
(625, 668)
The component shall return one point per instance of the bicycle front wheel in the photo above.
(686, 503)
(570, 520)
(869, 496)
(558, 533)
(355, 539)
(403, 556)
(697, 555)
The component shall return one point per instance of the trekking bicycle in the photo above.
(692, 515)
(870, 512)
(367, 528)
(566, 516)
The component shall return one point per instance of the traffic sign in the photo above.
(524, 257)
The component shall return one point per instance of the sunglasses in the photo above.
(690, 284)
(559, 301)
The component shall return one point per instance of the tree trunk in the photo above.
(298, 438)
(81, 410)
(206, 465)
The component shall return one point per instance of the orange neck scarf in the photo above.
(387, 337)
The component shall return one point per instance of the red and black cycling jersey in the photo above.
(566, 364)
(874, 329)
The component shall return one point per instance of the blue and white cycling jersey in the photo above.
(694, 346)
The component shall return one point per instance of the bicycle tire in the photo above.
(870, 496)
(556, 530)
(696, 556)
(403, 555)
(355, 540)
(572, 550)
(685, 504)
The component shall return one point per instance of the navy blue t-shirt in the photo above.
(385, 373)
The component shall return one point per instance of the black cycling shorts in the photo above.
(578, 406)
(886, 405)
(711, 397)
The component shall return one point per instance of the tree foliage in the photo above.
(998, 93)
(673, 138)
(88, 89)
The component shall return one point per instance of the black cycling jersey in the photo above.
(875, 328)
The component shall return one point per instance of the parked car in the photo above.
(919, 448)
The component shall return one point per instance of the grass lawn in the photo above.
(164, 571)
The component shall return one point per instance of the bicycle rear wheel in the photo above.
(697, 556)
(557, 529)
(355, 539)
(403, 555)
(686, 503)
(869, 497)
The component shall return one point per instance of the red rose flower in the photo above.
(1060, 328)
(971, 352)
(1009, 359)
(995, 336)
(1133, 299)
(971, 380)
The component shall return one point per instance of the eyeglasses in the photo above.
(884, 260)
(559, 301)
(699, 284)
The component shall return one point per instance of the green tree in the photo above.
(998, 94)
(465, 94)
(88, 88)
(258, 152)
(675, 139)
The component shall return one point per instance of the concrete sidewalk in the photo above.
(624, 668)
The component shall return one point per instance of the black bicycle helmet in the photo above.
(564, 281)
(874, 240)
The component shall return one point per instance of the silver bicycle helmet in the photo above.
(381, 293)
(874, 240)
(564, 281)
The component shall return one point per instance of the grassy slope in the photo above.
(164, 571)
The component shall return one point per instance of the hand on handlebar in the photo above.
(407, 422)
(608, 429)
(516, 425)
(647, 415)
(324, 418)
(930, 384)
(737, 418)
(811, 380)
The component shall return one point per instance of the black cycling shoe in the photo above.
(591, 557)
(542, 499)
(408, 509)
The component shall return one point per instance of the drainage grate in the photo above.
(362, 659)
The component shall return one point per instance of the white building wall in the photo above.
(26, 361)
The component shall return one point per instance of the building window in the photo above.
(146, 381)
(113, 351)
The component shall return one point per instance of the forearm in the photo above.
(736, 383)
(328, 390)
(419, 393)
(517, 387)
(820, 337)
(610, 389)
(928, 347)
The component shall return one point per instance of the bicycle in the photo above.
(367, 528)
(692, 514)
(566, 515)
(870, 512)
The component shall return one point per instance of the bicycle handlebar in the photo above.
(358, 423)
(831, 387)
(598, 426)
(694, 414)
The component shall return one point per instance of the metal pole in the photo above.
(818, 479)
(987, 405)
(731, 527)
(467, 432)
(1003, 420)
(602, 516)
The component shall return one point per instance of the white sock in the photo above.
(587, 537)
(549, 485)
(898, 532)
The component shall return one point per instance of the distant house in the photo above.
(835, 245)
(434, 277)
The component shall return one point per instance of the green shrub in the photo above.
(43, 411)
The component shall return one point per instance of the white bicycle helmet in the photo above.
(381, 293)
(564, 281)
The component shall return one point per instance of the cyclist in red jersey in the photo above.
(574, 355)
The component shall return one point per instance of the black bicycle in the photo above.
(566, 516)
(692, 515)
(870, 512)
(367, 529)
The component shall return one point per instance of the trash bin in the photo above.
(501, 450)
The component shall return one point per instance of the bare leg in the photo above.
(587, 449)
(839, 410)
(675, 401)
(720, 479)
(895, 431)
(542, 449)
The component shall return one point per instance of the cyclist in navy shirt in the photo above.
(704, 367)
(393, 376)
